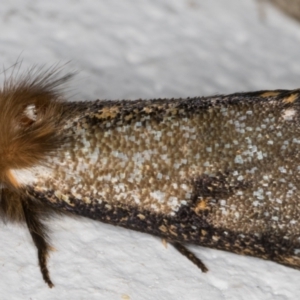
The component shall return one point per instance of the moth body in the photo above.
(221, 172)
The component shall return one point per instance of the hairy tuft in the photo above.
(31, 116)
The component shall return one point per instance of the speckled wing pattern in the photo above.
(221, 172)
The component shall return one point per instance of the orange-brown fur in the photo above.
(24, 142)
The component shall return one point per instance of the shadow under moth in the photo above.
(221, 172)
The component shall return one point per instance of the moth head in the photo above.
(31, 115)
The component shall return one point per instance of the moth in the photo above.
(220, 172)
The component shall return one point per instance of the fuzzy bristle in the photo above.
(31, 113)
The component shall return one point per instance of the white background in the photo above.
(145, 49)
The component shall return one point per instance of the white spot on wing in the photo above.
(289, 114)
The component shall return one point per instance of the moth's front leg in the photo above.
(38, 233)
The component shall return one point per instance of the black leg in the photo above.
(184, 251)
(38, 233)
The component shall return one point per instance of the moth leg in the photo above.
(192, 257)
(38, 233)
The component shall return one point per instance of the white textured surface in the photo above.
(145, 49)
